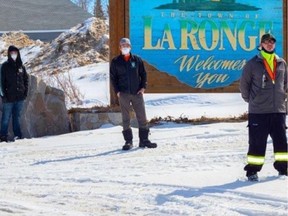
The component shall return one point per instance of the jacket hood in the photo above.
(18, 60)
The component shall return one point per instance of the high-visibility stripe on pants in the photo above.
(281, 156)
(255, 160)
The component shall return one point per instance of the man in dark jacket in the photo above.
(14, 81)
(264, 86)
(128, 77)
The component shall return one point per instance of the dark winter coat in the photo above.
(14, 79)
(258, 89)
(128, 77)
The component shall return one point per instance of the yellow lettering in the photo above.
(207, 78)
(167, 37)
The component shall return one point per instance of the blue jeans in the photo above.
(13, 109)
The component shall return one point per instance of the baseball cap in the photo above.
(125, 41)
(267, 36)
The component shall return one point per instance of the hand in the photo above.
(118, 94)
(141, 91)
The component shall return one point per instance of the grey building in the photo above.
(40, 19)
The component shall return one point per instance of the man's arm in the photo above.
(245, 82)
(113, 77)
(142, 74)
(26, 81)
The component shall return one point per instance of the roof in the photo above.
(40, 15)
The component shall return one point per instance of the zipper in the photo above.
(128, 73)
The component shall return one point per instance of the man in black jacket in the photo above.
(129, 79)
(14, 81)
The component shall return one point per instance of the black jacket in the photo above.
(14, 79)
(128, 77)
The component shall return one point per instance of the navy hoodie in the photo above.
(14, 78)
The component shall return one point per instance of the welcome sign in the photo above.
(203, 43)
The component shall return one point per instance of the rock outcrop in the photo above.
(44, 111)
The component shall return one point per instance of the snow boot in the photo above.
(128, 137)
(3, 139)
(252, 176)
(144, 141)
(283, 173)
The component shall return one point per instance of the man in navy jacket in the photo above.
(14, 81)
(129, 80)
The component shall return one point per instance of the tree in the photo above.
(98, 10)
(107, 9)
(84, 4)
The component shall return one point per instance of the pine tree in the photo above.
(98, 10)
(84, 4)
(107, 9)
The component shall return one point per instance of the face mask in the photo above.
(14, 56)
(125, 50)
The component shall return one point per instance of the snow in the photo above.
(29, 53)
(92, 82)
(196, 169)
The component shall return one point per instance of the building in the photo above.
(40, 19)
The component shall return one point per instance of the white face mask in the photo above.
(125, 50)
(14, 56)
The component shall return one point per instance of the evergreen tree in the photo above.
(84, 4)
(98, 10)
(107, 9)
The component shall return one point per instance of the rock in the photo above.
(81, 120)
(44, 111)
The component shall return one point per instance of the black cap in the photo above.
(267, 36)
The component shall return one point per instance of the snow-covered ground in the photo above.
(196, 169)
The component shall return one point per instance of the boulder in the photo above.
(44, 111)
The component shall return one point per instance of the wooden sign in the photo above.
(196, 46)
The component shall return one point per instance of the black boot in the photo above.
(252, 176)
(128, 137)
(144, 141)
(3, 139)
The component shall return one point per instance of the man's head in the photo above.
(125, 46)
(13, 52)
(268, 42)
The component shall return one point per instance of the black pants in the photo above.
(260, 127)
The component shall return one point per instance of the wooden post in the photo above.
(119, 27)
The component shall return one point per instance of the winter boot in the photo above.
(3, 139)
(144, 141)
(252, 176)
(282, 173)
(128, 137)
